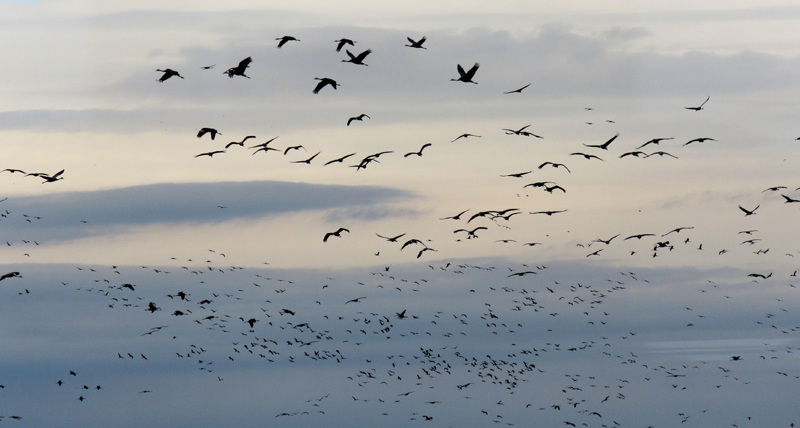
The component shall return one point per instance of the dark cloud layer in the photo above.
(173, 203)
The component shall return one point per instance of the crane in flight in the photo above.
(466, 76)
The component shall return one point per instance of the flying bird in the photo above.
(603, 146)
(554, 165)
(471, 233)
(239, 69)
(341, 42)
(466, 76)
(635, 154)
(548, 213)
(391, 239)
(337, 234)
(323, 81)
(520, 131)
(10, 275)
(211, 131)
(284, 40)
(292, 148)
(465, 136)
(700, 107)
(655, 141)
(586, 156)
(210, 154)
(662, 154)
(418, 153)
(308, 161)
(239, 143)
(52, 178)
(517, 174)
(167, 74)
(455, 217)
(341, 159)
(748, 212)
(698, 140)
(416, 44)
(517, 91)
(359, 59)
(360, 117)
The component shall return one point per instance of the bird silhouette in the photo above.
(455, 217)
(239, 69)
(359, 59)
(517, 91)
(517, 174)
(655, 141)
(520, 131)
(554, 165)
(337, 234)
(698, 140)
(603, 146)
(340, 160)
(210, 154)
(548, 213)
(465, 136)
(392, 239)
(285, 39)
(308, 161)
(341, 42)
(586, 156)
(466, 76)
(360, 117)
(240, 143)
(471, 233)
(211, 131)
(323, 81)
(662, 154)
(293, 148)
(167, 74)
(416, 44)
(748, 212)
(418, 153)
(700, 107)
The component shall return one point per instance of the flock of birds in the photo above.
(480, 356)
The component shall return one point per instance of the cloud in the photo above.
(181, 203)
(400, 84)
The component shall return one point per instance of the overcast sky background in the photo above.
(80, 93)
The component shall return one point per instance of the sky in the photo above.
(649, 280)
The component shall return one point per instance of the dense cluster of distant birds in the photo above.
(328, 330)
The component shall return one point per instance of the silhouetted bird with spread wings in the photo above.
(239, 69)
(465, 136)
(341, 42)
(603, 146)
(517, 91)
(359, 118)
(520, 131)
(554, 165)
(341, 159)
(416, 44)
(418, 153)
(239, 143)
(337, 234)
(285, 39)
(211, 131)
(700, 107)
(308, 161)
(167, 74)
(357, 59)
(466, 76)
(323, 81)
